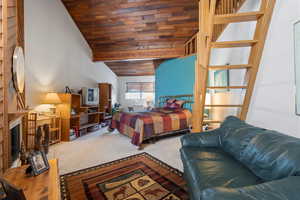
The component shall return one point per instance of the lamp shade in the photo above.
(52, 98)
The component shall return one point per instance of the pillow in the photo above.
(169, 102)
(180, 102)
(236, 136)
(273, 156)
(174, 104)
(270, 155)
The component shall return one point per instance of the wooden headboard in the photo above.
(188, 98)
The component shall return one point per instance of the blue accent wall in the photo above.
(175, 77)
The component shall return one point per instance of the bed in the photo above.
(161, 121)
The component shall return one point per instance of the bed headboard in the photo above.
(188, 98)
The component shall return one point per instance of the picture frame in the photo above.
(38, 162)
(11, 192)
(297, 65)
(221, 78)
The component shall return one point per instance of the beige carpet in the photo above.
(101, 147)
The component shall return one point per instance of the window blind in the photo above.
(139, 87)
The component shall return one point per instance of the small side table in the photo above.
(43, 186)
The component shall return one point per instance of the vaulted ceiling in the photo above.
(119, 30)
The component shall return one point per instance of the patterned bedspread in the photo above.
(143, 125)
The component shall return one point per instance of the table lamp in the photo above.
(52, 98)
(149, 101)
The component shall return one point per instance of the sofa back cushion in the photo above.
(272, 156)
(268, 154)
(236, 135)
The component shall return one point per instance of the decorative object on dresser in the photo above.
(105, 102)
(77, 119)
(38, 163)
(23, 154)
(46, 140)
(38, 138)
(43, 186)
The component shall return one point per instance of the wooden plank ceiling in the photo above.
(132, 68)
(119, 30)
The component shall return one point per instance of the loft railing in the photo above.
(190, 46)
(223, 7)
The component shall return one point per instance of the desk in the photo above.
(43, 186)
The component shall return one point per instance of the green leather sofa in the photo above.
(241, 162)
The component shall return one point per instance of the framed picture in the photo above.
(221, 78)
(38, 161)
(10, 192)
(297, 64)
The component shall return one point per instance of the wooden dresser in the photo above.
(105, 101)
(43, 186)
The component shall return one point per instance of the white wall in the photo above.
(122, 89)
(273, 102)
(57, 55)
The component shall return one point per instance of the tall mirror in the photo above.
(297, 64)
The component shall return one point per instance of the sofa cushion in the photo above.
(236, 135)
(283, 189)
(273, 156)
(207, 167)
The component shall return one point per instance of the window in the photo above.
(140, 90)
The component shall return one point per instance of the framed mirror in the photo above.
(19, 69)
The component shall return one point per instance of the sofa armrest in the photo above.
(284, 189)
(204, 139)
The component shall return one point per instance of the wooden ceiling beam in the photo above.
(132, 68)
(137, 54)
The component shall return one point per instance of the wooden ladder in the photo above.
(209, 18)
(2, 108)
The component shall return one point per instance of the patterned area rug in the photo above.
(138, 177)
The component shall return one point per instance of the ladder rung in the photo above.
(238, 17)
(226, 87)
(229, 106)
(232, 44)
(220, 67)
(212, 121)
